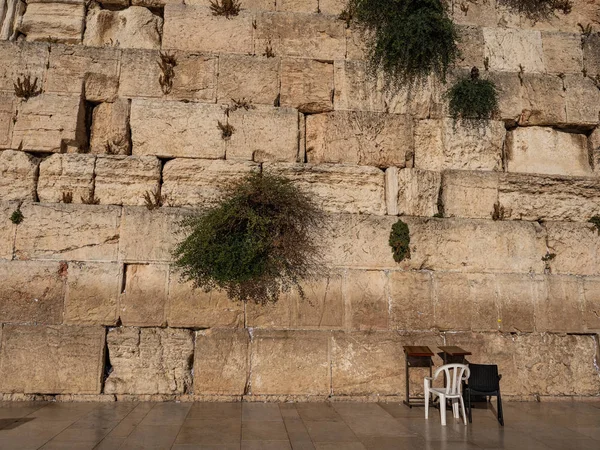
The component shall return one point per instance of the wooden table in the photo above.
(416, 356)
(453, 354)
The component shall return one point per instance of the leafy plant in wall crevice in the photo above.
(473, 98)
(538, 9)
(400, 241)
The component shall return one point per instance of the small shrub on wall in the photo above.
(256, 244)
(400, 241)
(538, 9)
(473, 98)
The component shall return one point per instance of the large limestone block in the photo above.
(290, 362)
(415, 193)
(483, 14)
(562, 310)
(338, 188)
(332, 7)
(149, 361)
(591, 295)
(583, 101)
(92, 293)
(581, 12)
(199, 182)
(255, 78)
(54, 359)
(194, 75)
(19, 60)
(370, 139)
(110, 128)
(125, 180)
(517, 296)
(195, 308)
(509, 48)
(50, 123)
(411, 300)
(68, 232)
(59, 22)
(144, 298)
(264, 133)
(301, 35)
(594, 149)
(366, 300)
(511, 100)
(18, 176)
(444, 144)
(175, 129)
(470, 194)
(576, 246)
(7, 112)
(543, 100)
(212, 33)
(134, 27)
(549, 151)
(64, 173)
(322, 309)
(7, 229)
(591, 54)
(264, 5)
(32, 292)
(221, 362)
(308, 6)
(562, 52)
(307, 85)
(72, 68)
(471, 47)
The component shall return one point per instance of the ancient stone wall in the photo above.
(89, 304)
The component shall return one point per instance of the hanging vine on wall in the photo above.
(256, 244)
(400, 241)
(538, 9)
(473, 98)
(410, 39)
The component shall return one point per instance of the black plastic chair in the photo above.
(484, 381)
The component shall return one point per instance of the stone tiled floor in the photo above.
(301, 426)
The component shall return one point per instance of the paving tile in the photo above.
(340, 446)
(261, 411)
(209, 411)
(110, 443)
(318, 412)
(255, 430)
(365, 426)
(205, 432)
(296, 431)
(80, 445)
(394, 443)
(206, 447)
(288, 411)
(151, 437)
(321, 431)
(266, 445)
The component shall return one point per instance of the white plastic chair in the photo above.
(455, 374)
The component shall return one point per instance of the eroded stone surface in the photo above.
(509, 48)
(7, 229)
(470, 194)
(64, 174)
(19, 60)
(7, 107)
(18, 176)
(253, 78)
(144, 297)
(110, 128)
(307, 85)
(562, 52)
(418, 192)
(576, 246)
(60, 22)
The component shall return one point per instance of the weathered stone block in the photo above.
(199, 182)
(594, 149)
(92, 293)
(442, 144)
(470, 194)
(591, 54)
(562, 309)
(508, 49)
(308, 6)
(417, 192)
(366, 300)
(221, 362)
(471, 47)
(144, 298)
(332, 7)
(411, 300)
(337, 188)
(545, 150)
(18, 176)
(149, 361)
(517, 297)
(60, 22)
(254, 78)
(194, 308)
(511, 101)
(483, 14)
(576, 246)
(290, 362)
(7, 111)
(7, 229)
(581, 11)
(213, 33)
(301, 35)
(583, 100)
(591, 307)
(263, 133)
(110, 128)
(32, 292)
(125, 180)
(562, 52)
(543, 100)
(55, 359)
(64, 173)
(50, 123)
(175, 129)
(370, 139)
(307, 85)
(19, 60)
(68, 232)
(133, 27)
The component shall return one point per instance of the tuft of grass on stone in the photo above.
(67, 197)
(154, 199)
(473, 98)
(227, 8)
(17, 216)
(595, 220)
(25, 88)
(167, 65)
(400, 241)
(226, 129)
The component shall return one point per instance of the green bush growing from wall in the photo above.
(473, 98)
(538, 9)
(400, 241)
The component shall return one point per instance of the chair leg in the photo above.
(470, 407)
(426, 403)
(500, 414)
(462, 404)
(443, 409)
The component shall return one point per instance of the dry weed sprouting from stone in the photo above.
(90, 200)
(269, 53)
(167, 65)
(400, 241)
(67, 197)
(241, 104)
(257, 243)
(154, 199)
(25, 89)
(499, 212)
(226, 129)
(227, 8)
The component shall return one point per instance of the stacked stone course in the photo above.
(90, 304)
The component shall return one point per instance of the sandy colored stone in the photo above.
(366, 300)
(289, 362)
(194, 308)
(483, 14)
(52, 359)
(517, 298)
(562, 310)
(301, 35)
(176, 129)
(471, 47)
(347, 137)
(470, 194)
(59, 22)
(19, 60)
(576, 246)
(542, 100)
(411, 301)
(562, 52)
(64, 173)
(263, 133)
(418, 192)
(582, 101)
(110, 128)
(307, 85)
(221, 362)
(591, 54)
(68, 232)
(307, 6)
(213, 33)
(255, 78)
(338, 188)
(511, 101)
(7, 111)
(133, 27)
(95, 70)
(18, 176)
(7, 229)
(507, 48)
(149, 361)
(143, 301)
(332, 7)
(581, 12)
(443, 144)
(591, 296)
(125, 180)
(32, 292)
(549, 151)
(200, 182)
(92, 293)
(594, 149)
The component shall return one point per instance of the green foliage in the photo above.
(538, 9)
(225, 8)
(411, 39)
(400, 241)
(473, 98)
(17, 216)
(255, 244)
(595, 220)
